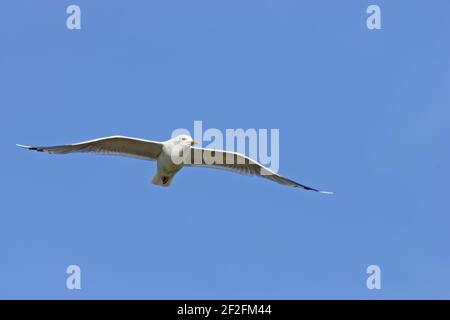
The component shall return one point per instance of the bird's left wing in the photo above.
(226, 160)
(115, 145)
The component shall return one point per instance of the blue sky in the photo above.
(363, 113)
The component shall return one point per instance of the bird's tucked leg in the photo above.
(162, 180)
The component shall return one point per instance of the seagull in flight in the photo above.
(172, 155)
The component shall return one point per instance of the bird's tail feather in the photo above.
(163, 181)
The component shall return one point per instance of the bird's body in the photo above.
(172, 155)
(166, 167)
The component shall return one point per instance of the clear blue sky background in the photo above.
(363, 113)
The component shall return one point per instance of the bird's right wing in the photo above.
(115, 145)
(239, 163)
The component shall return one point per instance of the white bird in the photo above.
(172, 155)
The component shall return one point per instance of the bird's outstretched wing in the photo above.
(115, 145)
(226, 160)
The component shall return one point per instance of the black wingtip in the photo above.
(309, 188)
(316, 190)
(30, 148)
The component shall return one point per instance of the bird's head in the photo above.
(178, 147)
(184, 141)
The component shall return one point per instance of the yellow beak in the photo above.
(194, 142)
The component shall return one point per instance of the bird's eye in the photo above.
(183, 139)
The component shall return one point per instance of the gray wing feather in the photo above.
(239, 163)
(115, 145)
